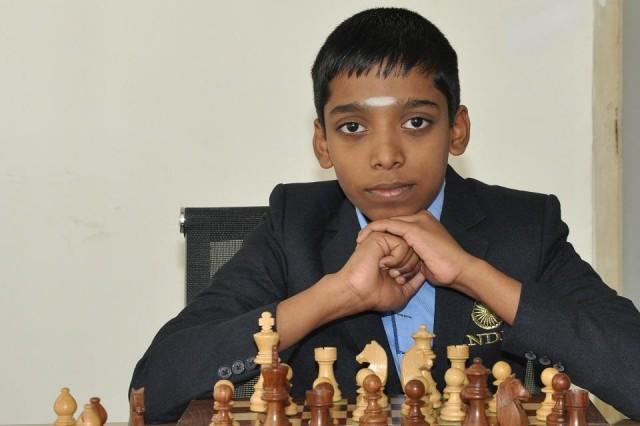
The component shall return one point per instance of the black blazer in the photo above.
(565, 312)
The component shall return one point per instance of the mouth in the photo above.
(390, 191)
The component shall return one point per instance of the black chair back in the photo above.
(213, 235)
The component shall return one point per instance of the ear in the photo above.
(320, 146)
(460, 132)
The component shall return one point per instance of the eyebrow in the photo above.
(359, 106)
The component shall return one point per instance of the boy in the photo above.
(399, 239)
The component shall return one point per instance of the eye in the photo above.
(415, 123)
(352, 128)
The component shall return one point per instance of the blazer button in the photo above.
(224, 372)
(250, 363)
(544, 360)
(237, 367)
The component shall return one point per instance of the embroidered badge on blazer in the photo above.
(484, 317)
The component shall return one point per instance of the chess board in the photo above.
(199, 413)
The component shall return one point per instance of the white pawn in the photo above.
(64, 407)
(547, 405)
(501, 370)
(361, 399)
(89, 417)
(292, 408)
(453, 408)
(325, 357)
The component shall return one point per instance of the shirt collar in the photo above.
(435, 208)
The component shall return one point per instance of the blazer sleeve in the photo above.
(569, 313)
(213, 336)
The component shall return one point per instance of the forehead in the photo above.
(376, 90)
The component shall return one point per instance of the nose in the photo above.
(387, 152)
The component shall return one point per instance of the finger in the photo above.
(412, 286)
(376, 226)
(391, 226)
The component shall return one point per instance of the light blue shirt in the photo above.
(421, 308)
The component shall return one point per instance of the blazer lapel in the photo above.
(338, 245)
(460, 214)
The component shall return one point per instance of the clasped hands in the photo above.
(395, 256)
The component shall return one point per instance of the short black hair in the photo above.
(395, 39)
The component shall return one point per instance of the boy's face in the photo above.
(389, 140)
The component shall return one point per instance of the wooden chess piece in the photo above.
(453, 408)
(361, 398)
(88, 417)
(373, 414)
(576, 402)
(376, 356)
(276, 391)
(265, 340)
(222, 395)
(560, 384)
(501, 370)
(458, 356)
(414, 390)
(508, 396)
(319, 400)
(476, 394)
(102, 413)
(418, 361)
(545, 407)
(64, 407)
(325, 357)
(292, 408)
(136, 407)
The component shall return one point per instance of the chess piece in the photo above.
(88, 417)
(418, 361)
(64, 407)
(325, 357)
(545, 407)
(415, 391)
(576, 402)
(476, 394)
(376, 356)
(136, 407)
(222, 395)
(373, 414)
(508, 396)
(215, 404)
(265, 340)
(319, 400)
(291, 408)
(102, 413)
(276, 391)
(458, 355)
(501, 370)
(361, 399)
(560, 384)
(453, 408)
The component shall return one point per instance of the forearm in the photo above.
(321, 303)
(499, 292)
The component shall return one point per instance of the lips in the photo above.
(390, 191)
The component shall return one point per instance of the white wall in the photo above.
(631, 151)
(116, 114)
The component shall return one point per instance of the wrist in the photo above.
(337, 299)
(467, 281)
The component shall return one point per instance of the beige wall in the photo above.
(631, 150)
(113, 115)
